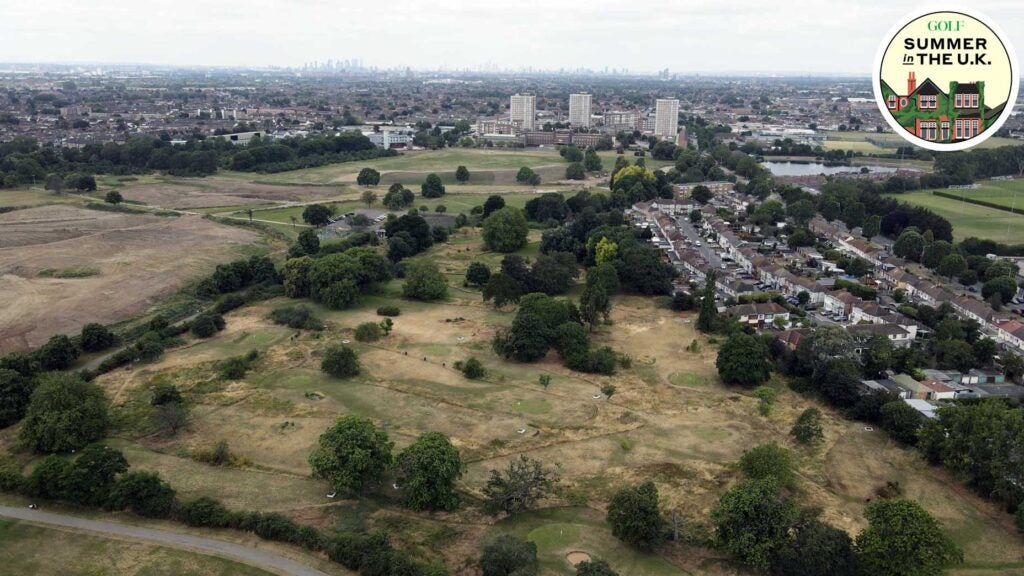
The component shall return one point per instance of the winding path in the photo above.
(253, 556)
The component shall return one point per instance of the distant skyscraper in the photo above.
(579, 110)
(666, 118)
(523, 109)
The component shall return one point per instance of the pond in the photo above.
(815, 168)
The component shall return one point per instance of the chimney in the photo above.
(911, 83)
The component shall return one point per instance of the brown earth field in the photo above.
(135, 259)
(213, 192)
(670, 420)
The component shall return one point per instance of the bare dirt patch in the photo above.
(140, 259)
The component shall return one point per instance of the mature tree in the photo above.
(1004, 286)
(519, 487)
(352, 454)
(96, 337)
(752, 521)
(502, 289)
(15, 393)
(398, 197)
(591, 161)
(478, 274)
(902, 539)
(594, 303)
(872, 226)
(423, 281)
(509, 555)
(427, 471)
(575, 171)
(877, 355)
(807, 428)
(340, 362)
(743, 360)
(493, 203)
(505, 230)
(901, 421)
(144, 493)
(816, 549)
(317, 214)
(93, 474)
(295, 276)
(368, 177)
(64, 414)
(909, 245)
(952, 266)
(768, 461)
(701, 193)
(113, 197)
(368, 197)
(935, 252)
(634, 516)
(432, 187)
(525, 175)
(59, 353)
(707, 321)
(462, 174)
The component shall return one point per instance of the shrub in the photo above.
(206, 325)
(96, 337)
(768, 461)
(144, 493)
(369, 332)
(65, 413)
(340, 362)
(388, 311)
(473, 369)
(204, 512)
(298, 317)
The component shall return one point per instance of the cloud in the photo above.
(707, 36)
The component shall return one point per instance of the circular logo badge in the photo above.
(945, 79)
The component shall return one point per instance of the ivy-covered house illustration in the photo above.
(931, 114)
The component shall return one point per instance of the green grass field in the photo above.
(970, 219)
(1009, 193)
(887, 142)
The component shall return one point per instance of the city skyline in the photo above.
(693, 39)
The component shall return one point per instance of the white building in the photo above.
(666, 118)
(579, 110)
(523, 110)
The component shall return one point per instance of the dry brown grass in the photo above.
(141, 259)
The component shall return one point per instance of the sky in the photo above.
(685, 36)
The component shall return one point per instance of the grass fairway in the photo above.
(970, 219)
(560, 531)
(69, 553)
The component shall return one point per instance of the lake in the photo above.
(815, 168)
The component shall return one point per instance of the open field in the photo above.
(1008, 193)
(887, 142)
(188, 193)
(670, 421)
(70, 553)
(970, 219)
(134, 260)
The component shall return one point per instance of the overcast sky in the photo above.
(708, 36)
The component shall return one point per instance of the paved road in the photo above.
(252, 556)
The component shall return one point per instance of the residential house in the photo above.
(760, 314)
